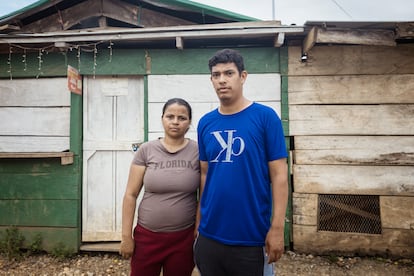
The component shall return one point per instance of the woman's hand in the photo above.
(127, 247)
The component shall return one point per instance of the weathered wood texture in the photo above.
(397, 238)
(351, 111)
(41, 196)
(392, 242)
(359, 37)
(362, 89)
(351, 119)
(340, 179)
(35, 115)
(352, 60)
(354, 150)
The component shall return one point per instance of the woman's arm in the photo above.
(134, 186)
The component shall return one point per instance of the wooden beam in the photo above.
(405, 30)
(66, 158)
(121, 11)
(179, 42)
(357, 37)
(9, 27)
(245, 29)
(309, 40)
(103, 22)
(279, 40)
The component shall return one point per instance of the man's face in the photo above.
(227, 81)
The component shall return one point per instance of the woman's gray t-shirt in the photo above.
(170, 186)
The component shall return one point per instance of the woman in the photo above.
(168, 169)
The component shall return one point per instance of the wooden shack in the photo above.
(351, 123)
(64, 157)
(344, 91)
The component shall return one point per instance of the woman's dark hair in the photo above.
(227, 56)
(178, 101)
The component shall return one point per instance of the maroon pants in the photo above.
(172, 251)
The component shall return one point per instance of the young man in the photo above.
(244, 186)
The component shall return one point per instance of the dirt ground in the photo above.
(94, 264)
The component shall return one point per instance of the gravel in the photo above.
(95, 263)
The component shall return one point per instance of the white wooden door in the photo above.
(113, 120)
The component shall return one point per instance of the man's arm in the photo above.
(275, 237)
(203, 174)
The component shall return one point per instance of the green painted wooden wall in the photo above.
(42, 196)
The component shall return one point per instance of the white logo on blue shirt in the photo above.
(227, 146)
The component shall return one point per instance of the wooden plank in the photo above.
(38, 186)
(198, 110)
(34, 92)
(34, 144)
(304, 208)
(101, 246)
(348, 36)
(405, 30)
(38, 166)
(66, 158)
(397, 212)
(310, 40)
(195, 61)
(368, 180)
(164, 87)
(352, 60)
(363, 89)
(351, 119)
(161, 87)
(50, 213)
(392, 242)
(35, 121)
(359, 150)
(52, 237)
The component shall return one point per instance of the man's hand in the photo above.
(127, 247)
(274, 244)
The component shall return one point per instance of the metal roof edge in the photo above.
(24, 9)
(213, 10)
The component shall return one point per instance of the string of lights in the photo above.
(41, 51)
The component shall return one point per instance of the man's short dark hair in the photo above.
(227, 56)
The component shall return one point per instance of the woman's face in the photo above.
(176, 121)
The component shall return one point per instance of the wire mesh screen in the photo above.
(349, 213)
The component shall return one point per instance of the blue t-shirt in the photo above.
(236, 204)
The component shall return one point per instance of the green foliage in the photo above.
(11, 243)
(60, 251)
(36, 245)
(332, 258)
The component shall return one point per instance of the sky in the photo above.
(295, 11)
